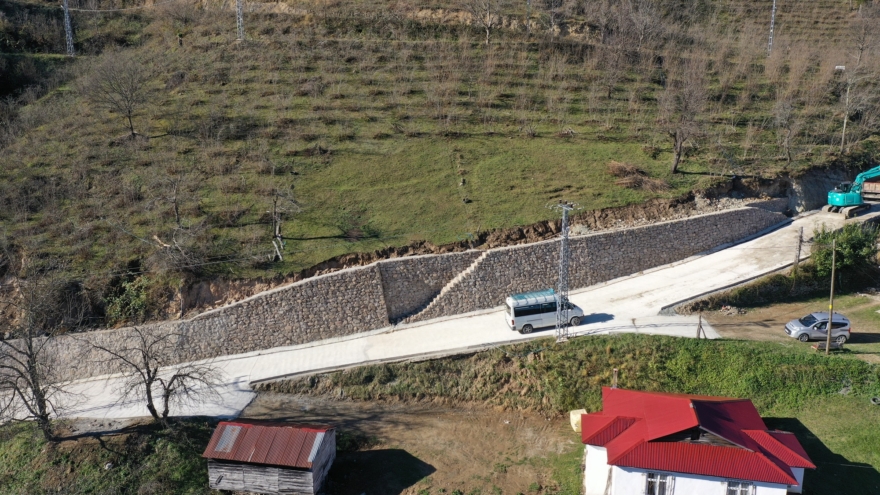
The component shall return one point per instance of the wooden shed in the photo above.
(270, 457)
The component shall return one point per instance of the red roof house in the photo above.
(269, 457)
(659, 444)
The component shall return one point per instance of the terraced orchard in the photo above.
(352, 126)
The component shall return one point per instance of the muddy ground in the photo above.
(399, 448)
(768, 322)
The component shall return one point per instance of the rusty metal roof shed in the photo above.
(275, 444)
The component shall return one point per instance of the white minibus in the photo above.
(531, 310)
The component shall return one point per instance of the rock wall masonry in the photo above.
(366, 298)
(409, 284)
(596, 258)
(333, 305)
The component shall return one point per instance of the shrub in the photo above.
(856, 250)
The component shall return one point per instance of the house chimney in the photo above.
(614, 380)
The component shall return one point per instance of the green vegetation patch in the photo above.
(144, 460)
(554, 379)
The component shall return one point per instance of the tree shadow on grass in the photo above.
(388, 471)
(834, 473)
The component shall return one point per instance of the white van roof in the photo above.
(535, 297)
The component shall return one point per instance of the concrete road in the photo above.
(629, 304)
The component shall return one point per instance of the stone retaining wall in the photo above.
(409, 283)
(333, 305)
(596, 258)
(365, 298)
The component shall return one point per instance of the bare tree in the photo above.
(486, 13)
(604, 14)
(30, 376)
(862, 36)
(283, 202)
(859, 92)
(787, 125)
(858, 97)
(119, 84)
(643, 21)
(682, 103)
(557, 11)
(146, 361)
(612, 66)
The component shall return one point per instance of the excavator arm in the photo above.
(864, 177)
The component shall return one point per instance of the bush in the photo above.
(130, 304)
(856, 250)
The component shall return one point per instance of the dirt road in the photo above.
(396, 448)
(768, 322)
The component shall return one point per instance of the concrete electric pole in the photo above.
(239, 15)
(68, 30)
(772, 25)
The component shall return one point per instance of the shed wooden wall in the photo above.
(324, 460)
(259, 479)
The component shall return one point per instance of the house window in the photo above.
(740, 488)
(659, 484)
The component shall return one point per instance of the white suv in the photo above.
(814, 325)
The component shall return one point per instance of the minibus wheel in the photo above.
(526, 329)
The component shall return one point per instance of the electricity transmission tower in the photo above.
(772, 25)
(562, 304)
(68, 31)
(239, 13)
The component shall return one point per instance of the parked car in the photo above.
(814, 325)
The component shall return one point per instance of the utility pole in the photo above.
(528, 17)
(239, 13)
(68, 31)
(772, 25)
(562, 304)
(831, 303)
(797, 258)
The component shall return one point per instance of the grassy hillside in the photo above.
(369, 124)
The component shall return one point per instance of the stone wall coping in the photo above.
(400, 259)
(751, 206)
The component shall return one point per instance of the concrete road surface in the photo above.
(629, 304)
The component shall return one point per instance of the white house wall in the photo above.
(628, 481)
(595, 470)
(799, 476)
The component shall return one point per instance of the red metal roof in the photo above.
(634, 426)
(783, 445)
(707, 460)
(600, 429)
(276, 444)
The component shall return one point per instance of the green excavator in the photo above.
(848, 198)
